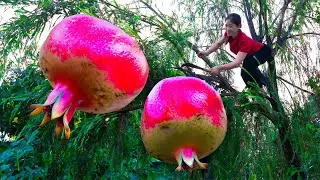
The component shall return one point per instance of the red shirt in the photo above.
(243, 43)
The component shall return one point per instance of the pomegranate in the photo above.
(183, 121)
(93, 66)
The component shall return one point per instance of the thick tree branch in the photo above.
(298, 9)
(221, 80)
(282, 12)
(266, 29)
(275, 18)
(282, 78)
(265, 23)
(248, 14)
(261, 13)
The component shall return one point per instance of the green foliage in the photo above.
(23, 29)
(306, 133)
(314, 84)
(16, 94)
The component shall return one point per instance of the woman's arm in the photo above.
(216, 45)
(213, 47)
(234, 64)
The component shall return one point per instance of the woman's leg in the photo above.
(245, 72)
(251, 72)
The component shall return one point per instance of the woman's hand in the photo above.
(202, 53)
(215, 70)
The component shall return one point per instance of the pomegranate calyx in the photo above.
(58, 130)
(186, 158)
(60, 106)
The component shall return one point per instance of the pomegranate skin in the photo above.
(96, 60)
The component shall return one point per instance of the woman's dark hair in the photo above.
(234, 18)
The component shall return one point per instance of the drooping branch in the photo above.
(155, 12)
(145, 19)
(302, 34)
(306, 91)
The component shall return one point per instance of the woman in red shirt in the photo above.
(247, 50)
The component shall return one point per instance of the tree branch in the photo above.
(306, 91)
(261, 13)
(266, 27)
(228, 54)
(220, 79)
(131, 108)
(248, 14)
(282, 12)
(263, 109)
(155, 12)
(301, 5)
(302, 34)
(276, 18)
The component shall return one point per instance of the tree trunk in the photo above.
(292, 157)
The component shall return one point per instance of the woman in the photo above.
(247, 50)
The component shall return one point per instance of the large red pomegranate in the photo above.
(183, 121)
(93, 66)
